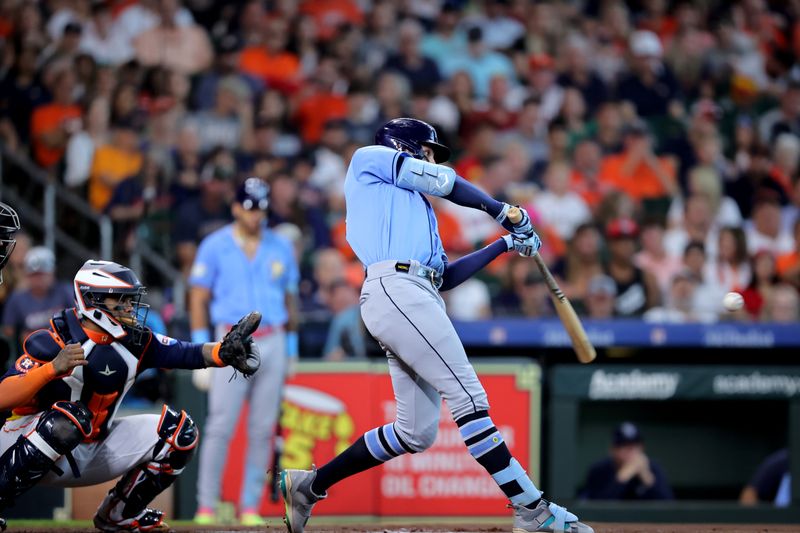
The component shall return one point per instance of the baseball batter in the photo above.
(392, 228)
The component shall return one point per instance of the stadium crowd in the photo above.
(655, 142)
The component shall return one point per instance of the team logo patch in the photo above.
(25, 364)
(277, 269)
(166, 341)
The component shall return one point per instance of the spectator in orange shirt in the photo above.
(637, 170)
(587, 158)
(321, 104)
(788, 265)
(329, 15)
(53, 123)
(270, 61)
(113, 163)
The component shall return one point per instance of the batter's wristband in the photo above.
(215, 355)
(292, 345)
(200, 336)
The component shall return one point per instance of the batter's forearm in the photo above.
(466, 194)
(462, 269)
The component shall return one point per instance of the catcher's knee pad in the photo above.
(178, 439)
(58, 432)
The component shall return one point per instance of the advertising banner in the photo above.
(328, 406)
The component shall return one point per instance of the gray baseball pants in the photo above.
(226, 398)
(427, 361)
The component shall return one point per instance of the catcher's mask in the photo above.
(9, 225)
(110, 295)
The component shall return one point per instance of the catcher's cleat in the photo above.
(298, 498)
(547, 517)
(147, 520)
(3, 524)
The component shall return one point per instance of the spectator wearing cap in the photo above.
(481, 64)
(627, 473)
(600, 296)
(230, 123)
(239, 268)
(637, 170)
(542, 79)
(53, 123)
(766, 232)
(421, 71)
(637, 290)
(199, 216)
(114, 162)
(183, 48)
(30, 308)
(226, 64)
(650, 85)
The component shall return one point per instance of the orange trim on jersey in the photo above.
(17, 391)
(98, 405)
(215, 355)
(99, 337)
(54, 333)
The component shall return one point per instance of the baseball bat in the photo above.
(580, 341)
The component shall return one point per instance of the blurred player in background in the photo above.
(242, 266)
(60, 399)
(393, 230)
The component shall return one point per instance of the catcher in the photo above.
(63, 394)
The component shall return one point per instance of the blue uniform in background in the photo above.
(390, 222)
(240, 284)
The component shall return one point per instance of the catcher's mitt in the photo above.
(237, 349)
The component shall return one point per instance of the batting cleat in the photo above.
(147, 520)
(298, 497)
(549, 517)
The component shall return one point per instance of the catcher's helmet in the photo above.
(410, 135)
(9, 225)
(98, 280)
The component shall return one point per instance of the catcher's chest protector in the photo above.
(101, 384)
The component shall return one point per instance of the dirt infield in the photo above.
(453, 528)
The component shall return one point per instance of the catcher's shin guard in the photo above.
(59, 431)
(129, 498)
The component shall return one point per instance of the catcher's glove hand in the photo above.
(237, 349)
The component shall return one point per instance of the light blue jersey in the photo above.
(385, 222)
(238, 284)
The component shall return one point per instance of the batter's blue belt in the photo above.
(412, 268)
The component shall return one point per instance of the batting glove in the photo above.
(523, 227)
(525, 246)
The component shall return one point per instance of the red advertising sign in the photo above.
(328, 406)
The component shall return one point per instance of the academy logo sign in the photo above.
(757, 384)
(633, 385)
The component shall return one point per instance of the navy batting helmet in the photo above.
(410, 135)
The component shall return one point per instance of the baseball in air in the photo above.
(733, 301)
